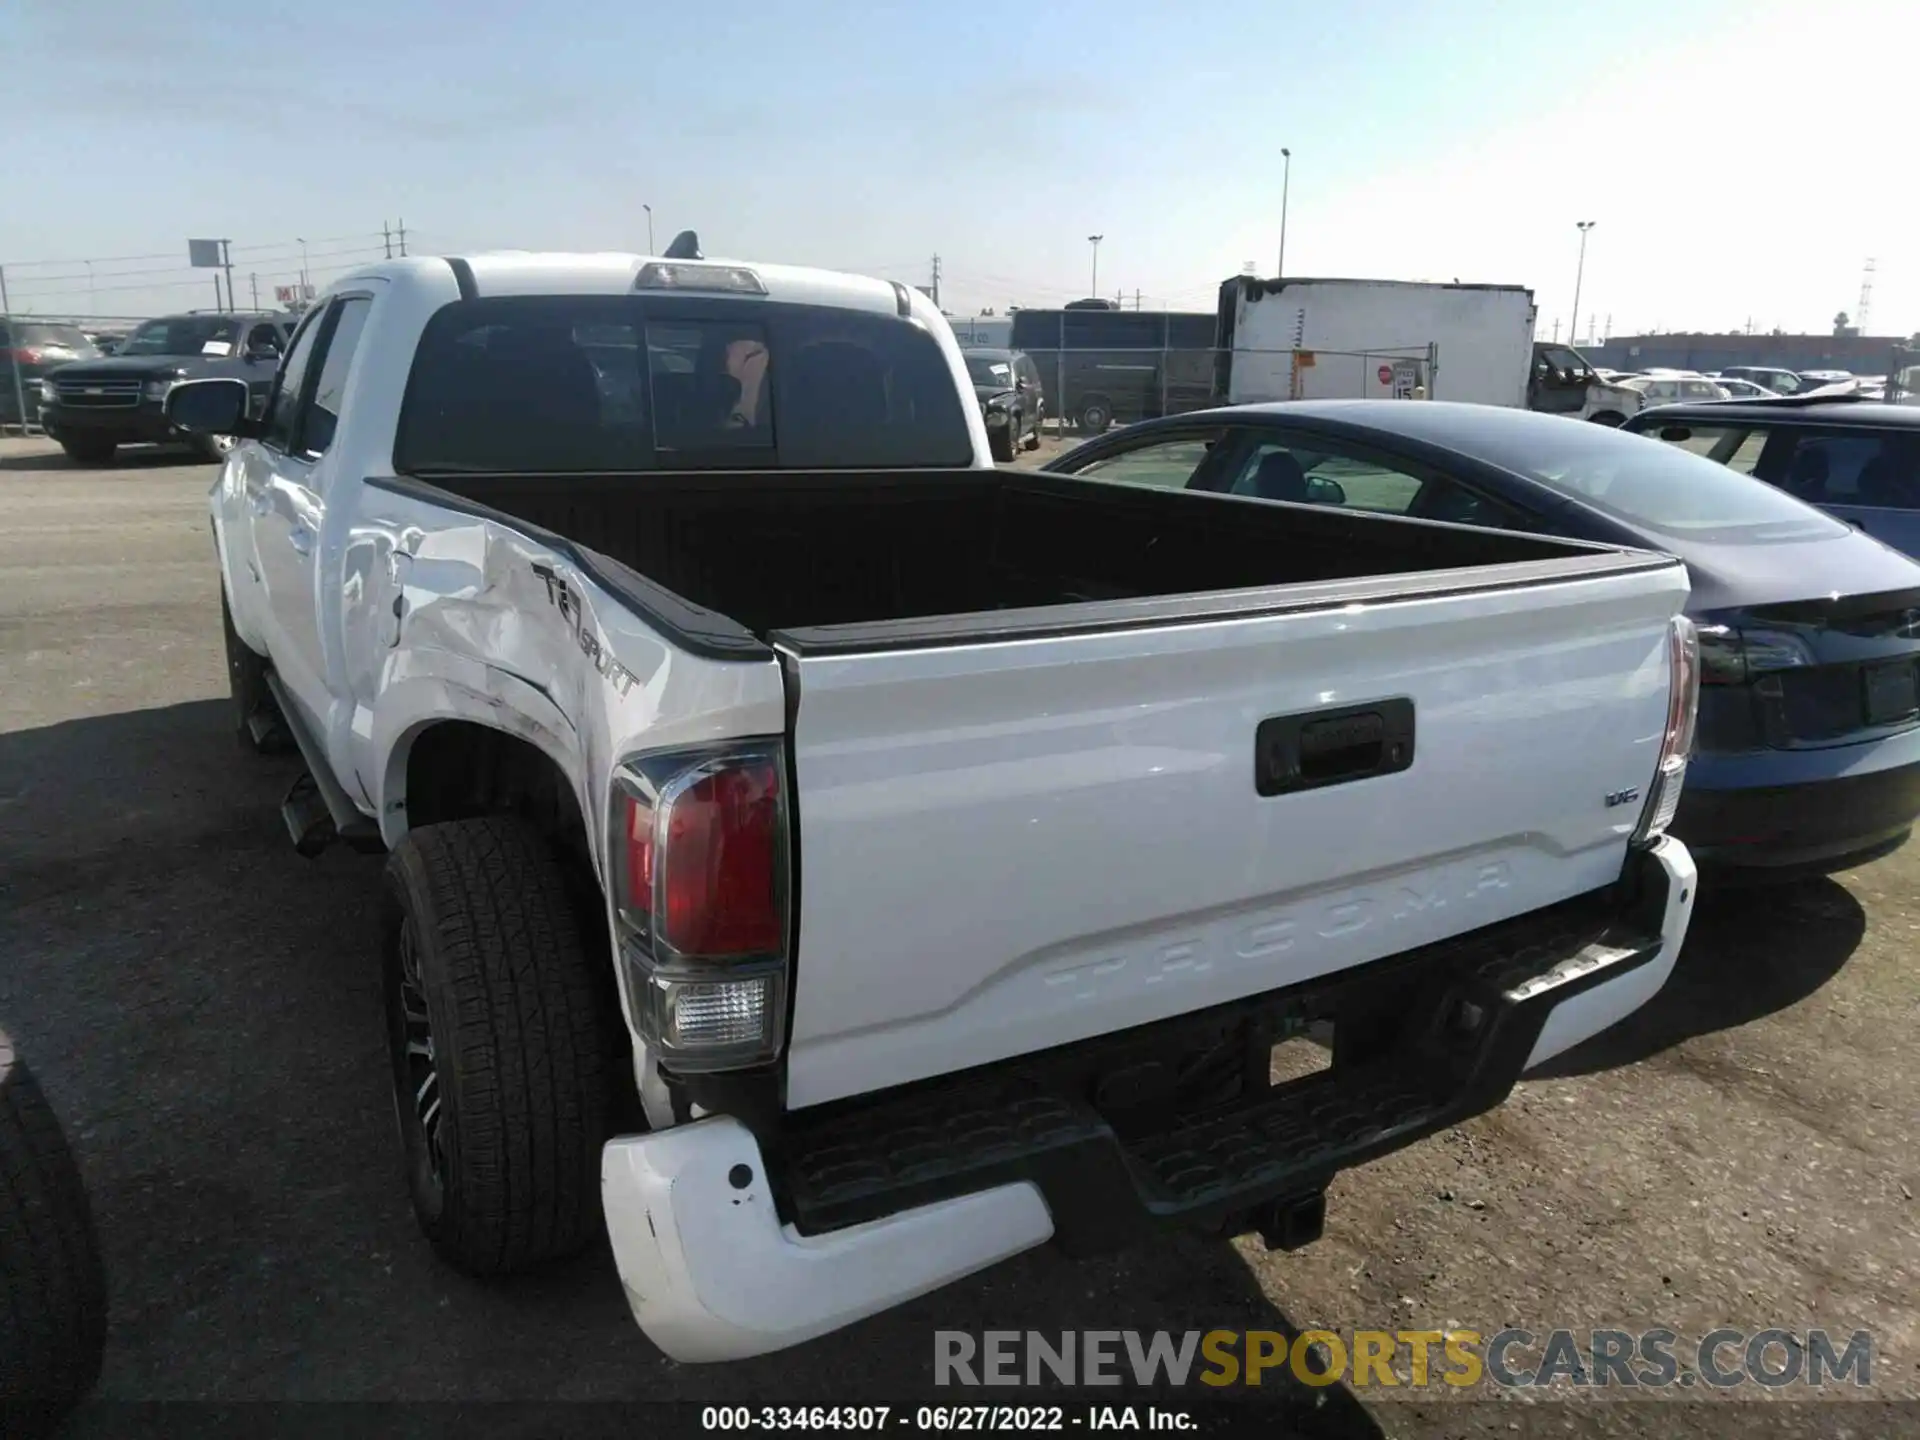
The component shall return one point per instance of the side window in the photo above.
(323, 412)
(1295, 472)
(263, 340)
(1167, 465)
(1315, 476)
(283, 408)
(1698, 390)
(1877, 471)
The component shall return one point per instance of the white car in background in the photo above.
(1664, 387)
(1738, 389)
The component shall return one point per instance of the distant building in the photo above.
(1860, 354)
(994, 331)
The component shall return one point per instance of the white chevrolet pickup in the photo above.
(844, 864)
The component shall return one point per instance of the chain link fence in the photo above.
(1087, 391)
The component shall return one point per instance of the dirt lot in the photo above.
(201, 1004)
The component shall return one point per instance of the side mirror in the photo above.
(265, 352)
(1325, 492)
(211, 407)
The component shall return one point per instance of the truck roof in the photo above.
(1253, 287)
(527, 272)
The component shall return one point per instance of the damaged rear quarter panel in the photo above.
(450, 616)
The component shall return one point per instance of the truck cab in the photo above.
(1564, 382)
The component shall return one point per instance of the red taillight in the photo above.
(701, 856)
(637, 830)
(25, 357)
(719, 876)
(1683, 703)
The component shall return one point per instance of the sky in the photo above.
(1740, 161)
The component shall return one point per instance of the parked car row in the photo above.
(93, 404)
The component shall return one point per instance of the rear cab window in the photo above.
(578, 383)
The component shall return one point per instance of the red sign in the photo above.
(1386, 374)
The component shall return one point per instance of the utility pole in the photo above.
(13, 356)
(1579, 275)
(303, 268)
(649, 210)
(935, 287)
(386, 239)
(400, 227)
(1286, 183)
(1093, 286)
(1136, 299)
(1556, 330)
(254, 281)
(226, 262)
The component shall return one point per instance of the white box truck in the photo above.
(1375, 339)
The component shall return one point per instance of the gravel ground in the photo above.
(201, 1005)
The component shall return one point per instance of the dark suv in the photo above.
(1008, 389)
(94, 406)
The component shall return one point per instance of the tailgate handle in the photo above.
(1332, 747)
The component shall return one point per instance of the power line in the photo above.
(254, 251)
(46, 280)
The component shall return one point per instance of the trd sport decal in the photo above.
(568, 604)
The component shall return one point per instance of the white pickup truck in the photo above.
(846, 864)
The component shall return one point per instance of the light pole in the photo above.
(1093, 287)
(1286, 183)
(303, 268)
(1573, 330)
(649, 210)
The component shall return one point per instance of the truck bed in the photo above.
(855, 559)
(1071, 757)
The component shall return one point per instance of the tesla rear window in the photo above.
(1655, 486)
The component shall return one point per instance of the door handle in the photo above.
(301, 539)
(1332, 747)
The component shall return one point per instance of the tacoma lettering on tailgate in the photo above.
(1274, 932)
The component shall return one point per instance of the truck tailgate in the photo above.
(1011, 845)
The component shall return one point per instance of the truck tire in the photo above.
(53, 1291)
(504, 1059)
(1000, 443)
(1032, 442)
(85, 450)
(257, 722)
(1096, 415)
